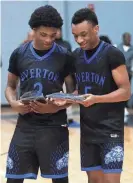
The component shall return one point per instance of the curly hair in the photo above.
(84, 14)
(45, 16)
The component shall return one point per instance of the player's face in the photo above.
(127, 39)
(85, 34)
(45, 36)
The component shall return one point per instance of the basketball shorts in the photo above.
(31, 149)
(107, 156)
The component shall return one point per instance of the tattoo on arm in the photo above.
(10, 92)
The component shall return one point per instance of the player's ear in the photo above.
(96, 29)
(34, 30)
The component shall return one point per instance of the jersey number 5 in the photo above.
(87, 89)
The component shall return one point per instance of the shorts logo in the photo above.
(114, 135)
(116, 154)
(63, 162)
(9, 163)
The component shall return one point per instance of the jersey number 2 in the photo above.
(38, 87)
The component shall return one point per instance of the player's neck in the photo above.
(38, 47)
(95, 44)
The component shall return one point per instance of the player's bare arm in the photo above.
(123, 92)
(10, 91)
(10, 94)
(70, 84)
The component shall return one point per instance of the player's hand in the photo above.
(75, 92)
(58, 102)
(62, 102)
(21, 108)
(90, 100)
(42, 108)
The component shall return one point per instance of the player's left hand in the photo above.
(57, 101)
(61, 101)
(42, 108)
(90, 100)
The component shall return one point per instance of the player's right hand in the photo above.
(19, 107)
(42, 108)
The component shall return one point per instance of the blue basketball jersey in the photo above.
(94, 76)
(45, 74)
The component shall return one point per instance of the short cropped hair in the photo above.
(84, 14)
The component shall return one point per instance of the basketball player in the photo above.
(70, 81)
(41, 135)
(102, 76)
